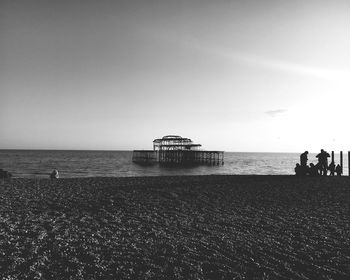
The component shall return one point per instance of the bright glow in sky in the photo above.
(246, 75)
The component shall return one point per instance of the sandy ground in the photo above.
(196, 227)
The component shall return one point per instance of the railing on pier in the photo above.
(145, 156)
(191, 157)
(181, 157)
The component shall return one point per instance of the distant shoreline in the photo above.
(101, 150)
(164, 177)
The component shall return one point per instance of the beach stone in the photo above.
(54, 174)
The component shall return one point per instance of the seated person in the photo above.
(313, 171)
(298, 170)
(338, 170)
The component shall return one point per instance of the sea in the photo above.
(72, 164)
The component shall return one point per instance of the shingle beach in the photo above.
(181, 227)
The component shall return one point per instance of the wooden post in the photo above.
(332, 171)
(341, 161)
(348, 163)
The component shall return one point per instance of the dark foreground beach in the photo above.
(196, 227)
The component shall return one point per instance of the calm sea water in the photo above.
(39, 163)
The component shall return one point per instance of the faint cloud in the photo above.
(274, 113)
(286, 66)
(189, 41)
(316, 72)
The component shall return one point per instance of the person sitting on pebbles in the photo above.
(54, 174)
(338, 170)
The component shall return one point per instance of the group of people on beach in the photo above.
(319, 169)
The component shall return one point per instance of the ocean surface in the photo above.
(40, 163)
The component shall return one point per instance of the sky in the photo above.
(249, 76)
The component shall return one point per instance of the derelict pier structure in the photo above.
(173, 149)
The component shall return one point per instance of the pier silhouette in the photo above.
(176, 150)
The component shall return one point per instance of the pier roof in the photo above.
(171, 142)
(172, 138)
(182, 145)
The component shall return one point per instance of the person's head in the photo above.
(297, 164)
(306, 152)
(311, 164)
(322, 150)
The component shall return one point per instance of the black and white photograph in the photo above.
(174, 139)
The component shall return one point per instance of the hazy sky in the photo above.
(232, 75)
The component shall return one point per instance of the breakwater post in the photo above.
(341, 161)
(348, 163)
(332, 171)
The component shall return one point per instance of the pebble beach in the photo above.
(178, 227)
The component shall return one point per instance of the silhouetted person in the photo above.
(303, 158)
(323, 162)
(298, 170)
(318, 168)
(331, 168)
(313, 171)
(54, 174)
(304, 169)
(338, 170)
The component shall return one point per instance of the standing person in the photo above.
(331, 168)
(303, 162)
(303, 158)
(323, 161)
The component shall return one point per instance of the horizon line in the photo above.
(124, 150)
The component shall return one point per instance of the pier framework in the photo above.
(174, 149)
